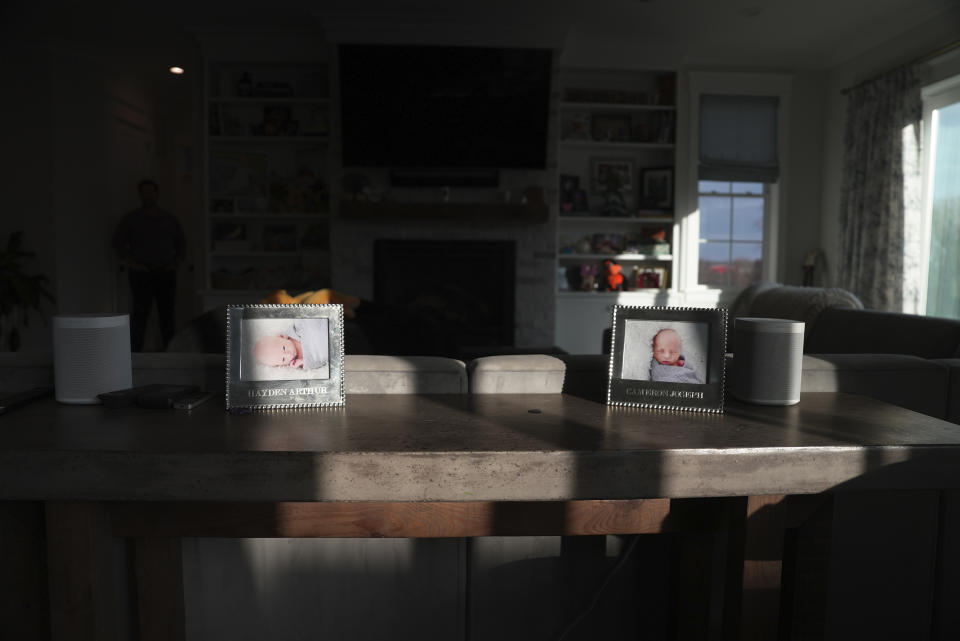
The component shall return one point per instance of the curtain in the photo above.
(879, 201)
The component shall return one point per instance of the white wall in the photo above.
(83, 132)
(801, 226)
(909, 46)
(26, 182)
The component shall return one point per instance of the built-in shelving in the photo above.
(623, 257)
(463, 211)
(619, 123)
(613, 145)
(614, 106)
(268, 172)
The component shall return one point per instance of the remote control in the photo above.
(190, 400)
(164, 397)
(126, 397)
(13, 401)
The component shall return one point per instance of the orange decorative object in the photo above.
(612, 278)
(318, 297)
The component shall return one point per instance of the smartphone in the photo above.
(164, 397)
(190, 400)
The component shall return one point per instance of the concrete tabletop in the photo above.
(462, 448)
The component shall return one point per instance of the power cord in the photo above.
(603, 586)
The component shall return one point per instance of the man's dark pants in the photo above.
(145, 287)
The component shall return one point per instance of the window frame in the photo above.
(729, 241)
(935, 96)
(774, 251)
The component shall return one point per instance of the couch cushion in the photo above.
(770, 300)
(867, 331)
(953, 393)
(365, 374)
(586, 375)
(517, 374)
(908, 381)
(21, 371)
(801, 303)
(208, 371)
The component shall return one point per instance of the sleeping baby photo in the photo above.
(285, 349)
(665, 351)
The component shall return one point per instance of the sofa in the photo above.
(908, 360)
(905, 359)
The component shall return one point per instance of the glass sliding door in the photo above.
(943, 203)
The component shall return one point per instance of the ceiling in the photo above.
(765, 33)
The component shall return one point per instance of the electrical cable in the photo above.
(603, 586)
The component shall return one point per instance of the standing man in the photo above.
(151, 243)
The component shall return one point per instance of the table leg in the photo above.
(80, 572)
(754, 569)
(159, 571)
(23, 583)
(701, 601)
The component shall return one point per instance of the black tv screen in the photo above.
(429, 106)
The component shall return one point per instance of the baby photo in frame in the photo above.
(668, 358)
(284, 356)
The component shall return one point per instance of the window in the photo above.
(731, 232)
(738, 142)
(942, 198)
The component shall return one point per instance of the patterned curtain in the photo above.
(879, 202)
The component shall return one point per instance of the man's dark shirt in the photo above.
(154, 240)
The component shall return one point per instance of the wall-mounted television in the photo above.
(441, 106)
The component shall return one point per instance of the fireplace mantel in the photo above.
(476, 211)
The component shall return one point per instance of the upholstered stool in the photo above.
(368, 374)
(516, 374)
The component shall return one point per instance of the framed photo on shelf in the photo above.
(284, 356)
(611, 175)
(578, 127)
(238, 173)
(317, 122)
(668, 358)
(279, 238)
(611, 127)
(650, 277)
(569, 185)
(656, 188)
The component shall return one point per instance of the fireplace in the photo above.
(444, 297)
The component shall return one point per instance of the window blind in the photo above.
(738, 138)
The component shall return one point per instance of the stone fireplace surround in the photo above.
(352, 259)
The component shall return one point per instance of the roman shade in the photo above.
(738, 138)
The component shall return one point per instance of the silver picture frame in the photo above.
(668, 358)
(284, 356)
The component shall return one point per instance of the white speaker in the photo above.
(91, 355)
(767, 361)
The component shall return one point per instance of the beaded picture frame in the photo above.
(284, 356)
(668, 358)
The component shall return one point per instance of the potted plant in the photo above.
(20, 293)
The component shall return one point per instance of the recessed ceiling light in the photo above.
(176, 70)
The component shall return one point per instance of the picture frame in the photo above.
(581, 203)
(693, 340)
(578, 126)
(279, 238)
(611, 174)
(238, 173)
(568, 189)
(276, 120)
(611, 127)
(656, 188)
(264, 345)
(650, 277)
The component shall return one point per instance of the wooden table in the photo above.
(426, 466)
